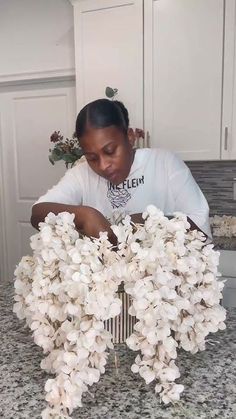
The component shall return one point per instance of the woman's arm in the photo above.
(42, 209)
(87, 220)
(194, 226)
(188, 197)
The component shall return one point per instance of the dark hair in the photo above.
(102, 113)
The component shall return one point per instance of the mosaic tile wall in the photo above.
(215, 179)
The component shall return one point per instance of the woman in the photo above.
(114, 176)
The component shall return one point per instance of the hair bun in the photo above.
(102, 113)
(123, 110)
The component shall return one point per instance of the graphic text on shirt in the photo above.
(119, 195)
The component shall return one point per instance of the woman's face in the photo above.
(109, 152)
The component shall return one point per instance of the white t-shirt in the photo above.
(156, 177)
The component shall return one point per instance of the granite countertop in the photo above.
(224, 243)
(226, 223)
(209, 378)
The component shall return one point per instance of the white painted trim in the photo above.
(148, 67)
(229, 66)
(233, 129)
(3, 243)
(90, 5)
(58, 74)
(75, 2)
(78, 53)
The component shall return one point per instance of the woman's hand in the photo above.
(91, 222)
(137, 218)
(88, 220)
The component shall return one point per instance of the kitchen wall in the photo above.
(215, 179)
(36, 37)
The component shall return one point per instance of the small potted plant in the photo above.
(68, 150)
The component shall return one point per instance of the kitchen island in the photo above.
(209, 378)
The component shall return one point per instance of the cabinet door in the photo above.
(109, 52)
(183, 75)
(28, 117)
(228, 143)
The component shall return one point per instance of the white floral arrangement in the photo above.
(67, 290)
(224, 225)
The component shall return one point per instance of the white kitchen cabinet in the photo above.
(184, 52)
(227, 268)
(173, 63)
(228, 130)
(109, 52)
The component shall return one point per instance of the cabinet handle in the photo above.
(148, 140)
(226, 138)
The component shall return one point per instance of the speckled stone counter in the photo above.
(224, 243)
(209, 378)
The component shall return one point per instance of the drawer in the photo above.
(227, 264)
(229, 292)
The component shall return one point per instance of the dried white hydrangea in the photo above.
(223, 226)
(67, 289)
(172, 279)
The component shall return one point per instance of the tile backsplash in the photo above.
(215, 179)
